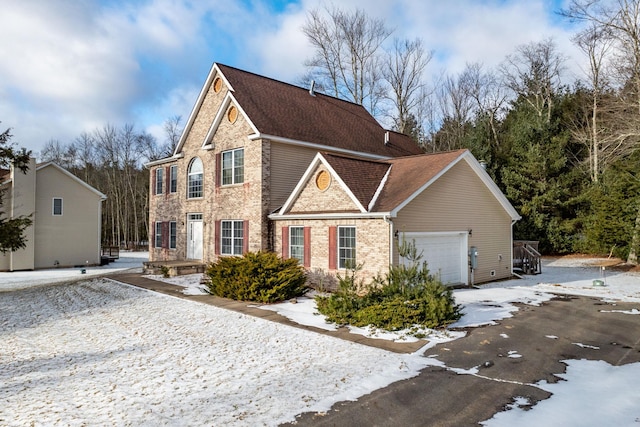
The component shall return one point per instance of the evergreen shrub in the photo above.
(257, 276)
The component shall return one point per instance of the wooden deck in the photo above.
(526, 257)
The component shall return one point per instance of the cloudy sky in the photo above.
(70, 66)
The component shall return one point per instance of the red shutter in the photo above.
(307, 247)
(245, 237)
(333, 247)
(167, 172)
(165, 235)
(217, 237)
(285, 242)
(153, 181)
(218, 171)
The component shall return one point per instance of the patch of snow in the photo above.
(586, 346)
(514, 354)
(553, 337)
(632, 311)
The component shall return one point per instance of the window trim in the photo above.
(234, 167)
(53, 206)
(237, 226)
(159, 184)
(342, 260)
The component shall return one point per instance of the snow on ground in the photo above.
(100, 352)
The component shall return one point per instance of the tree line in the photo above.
(565, 153)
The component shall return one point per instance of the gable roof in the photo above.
(65, 172)
(384, 187)
(281, 111)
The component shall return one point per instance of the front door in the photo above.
(194, 236)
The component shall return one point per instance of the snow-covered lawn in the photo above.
(98, 352)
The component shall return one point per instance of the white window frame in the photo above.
(53, 206)
(159, 184)
(193, 191)
(157, 235)
(173, 180)
(232, 168)
(296, 247)
(345, 261)
(232, 237)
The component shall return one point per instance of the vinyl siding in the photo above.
(288, 164)
(459, 201)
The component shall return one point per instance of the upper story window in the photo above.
(159, 180)
(233, 167)
(346, 247)
(195, 174)
(173, 179)
(57, 206)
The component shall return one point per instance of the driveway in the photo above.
(493, 365)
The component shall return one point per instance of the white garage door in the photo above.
(445, 253)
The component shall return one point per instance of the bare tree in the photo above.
(404, 70)
(346, 60)
(533, 73)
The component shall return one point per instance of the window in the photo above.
(232, 237)
(346, 247)
(173, 180)
(157, 243)
(159, 178)
(296, 243)
(57, 206)
(194, 186)
(233, 167)
(172, 235)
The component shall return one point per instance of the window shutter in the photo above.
(333, 247)
(217, 237)
(165, 235)
(307, 247)
(153, 181)
(167, 172)
(285, 242)
(218, 171)
(245, 237)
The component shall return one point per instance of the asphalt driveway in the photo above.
(510, 358)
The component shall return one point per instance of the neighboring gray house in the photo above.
(66, 229)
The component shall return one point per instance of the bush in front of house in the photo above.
(257, 276)
(406, 297)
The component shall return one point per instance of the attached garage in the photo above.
(445, 254)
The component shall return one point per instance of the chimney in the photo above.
(311, 89)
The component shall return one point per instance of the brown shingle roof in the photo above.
(363, 177)
(289, 111)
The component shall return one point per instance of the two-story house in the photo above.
(265, 165)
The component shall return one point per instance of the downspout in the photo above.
(388, 221)
(513, 221)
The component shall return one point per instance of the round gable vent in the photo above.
(232, 114)
(323, 180)
(217, 85)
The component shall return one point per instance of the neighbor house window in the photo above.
(346, 247)
(194, 186)
(296, 243)
(173, 179)
(159, 180)
(232, 237)
(233, 167)
(57, 206)
(158, 235)
(172, 234)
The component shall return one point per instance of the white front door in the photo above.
(194, 236)
(445, 253)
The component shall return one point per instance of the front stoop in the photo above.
(174, 268)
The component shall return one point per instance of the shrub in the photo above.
(407, 296)
(257, 276)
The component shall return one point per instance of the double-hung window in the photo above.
(157, 243)
(159, 180)
(173, 179)
(233, 167)
(172, 234)
(57, 206)
(232, 237)
(194, 186)
(346, 247)
(296, 243)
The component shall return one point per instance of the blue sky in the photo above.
(74, 66)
